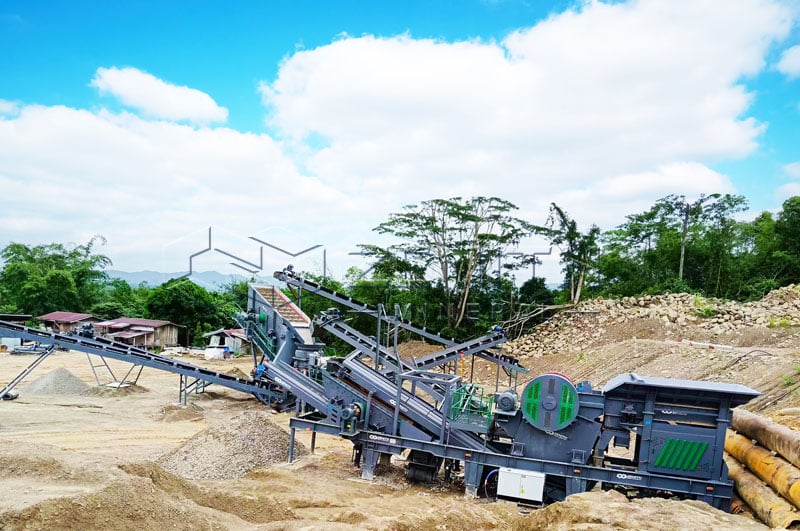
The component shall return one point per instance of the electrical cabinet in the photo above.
(520, 484)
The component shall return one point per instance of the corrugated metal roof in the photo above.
(135, 321)
(65, 317)
(231, 332)
(129, 335)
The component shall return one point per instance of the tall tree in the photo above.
(185, 303)
(456, 239)
(787, 232)
(578, 250)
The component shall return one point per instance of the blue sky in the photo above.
(307, 122)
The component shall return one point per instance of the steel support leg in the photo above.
(472, 477)
(369, 460)
(575, 485)
(385, 459)
(7, 389)
(291, 445)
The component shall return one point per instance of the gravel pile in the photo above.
(57, 382)
(246, 442)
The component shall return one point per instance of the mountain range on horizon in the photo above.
(212, 280)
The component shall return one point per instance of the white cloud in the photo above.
(8, 107)
(789, 63)
(610, 90)
(67, 174)
(792, 170)
(789, 190)
(156, 97)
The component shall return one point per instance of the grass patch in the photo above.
(779, 322)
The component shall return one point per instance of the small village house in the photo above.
(64, 322)
(235, 339)
(139, 332)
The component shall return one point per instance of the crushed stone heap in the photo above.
(231, 450)
(676, 315)
(57, 382)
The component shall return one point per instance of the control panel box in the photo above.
(520, 484)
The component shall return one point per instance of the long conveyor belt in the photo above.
(137, 356)
(508, 362)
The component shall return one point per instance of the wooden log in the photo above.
(770, 508)
(772, 435)
(774, 470)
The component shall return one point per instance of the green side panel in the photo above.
(567, 405)
(532, 398)
(664, 453)
(679, 444)
(680, 454)
(697, 456)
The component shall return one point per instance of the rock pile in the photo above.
(57, 382)
(231, 450)
(659, 316)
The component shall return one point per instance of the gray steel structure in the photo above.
(652, 435)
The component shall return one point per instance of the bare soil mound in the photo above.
(236, 372)
(601, 511)
(253, 507)
(231, 450)
(15, 466)
(416, 349)
(130, 505)
(773, 321)
(57, 382)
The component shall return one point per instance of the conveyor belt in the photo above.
(292, 279)
(367, 347)
(137, 356)
(298, 384)
(425, 415)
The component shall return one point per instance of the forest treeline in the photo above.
(455, 266)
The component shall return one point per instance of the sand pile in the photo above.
(231, 450)
(57, 382)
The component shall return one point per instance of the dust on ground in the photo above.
(133, 458)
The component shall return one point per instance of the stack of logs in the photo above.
(764, 463)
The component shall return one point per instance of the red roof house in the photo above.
(67, 321)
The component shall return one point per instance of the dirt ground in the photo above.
(94, 461)
(102, 459)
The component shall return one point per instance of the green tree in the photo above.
(118, 299)
(677, 246)
(185, 303)
(45, 278)
(787, 234)
(578, 250)
(456, 239)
